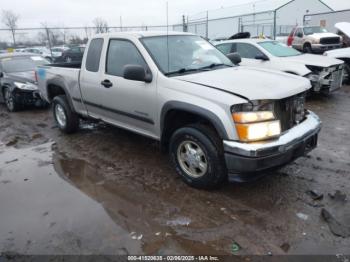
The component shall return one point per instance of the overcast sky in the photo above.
(134, 12)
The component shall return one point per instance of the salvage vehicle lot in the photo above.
(108, 191)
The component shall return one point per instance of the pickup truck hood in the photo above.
(322, 35)
(344, 27)
(314, 60)
(250, 82)
(23, 77)
(339, 53)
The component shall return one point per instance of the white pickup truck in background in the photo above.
(218, 121)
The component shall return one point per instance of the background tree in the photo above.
(10, 19)
(101, 25)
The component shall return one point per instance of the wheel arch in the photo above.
(175, 114)
(56, 87)
(6, 85)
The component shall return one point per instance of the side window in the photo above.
(122, 53)
(225, 48)
(94, 55)
(248, 51)
(299, 33)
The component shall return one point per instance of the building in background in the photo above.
(271, 18)
(328, 19)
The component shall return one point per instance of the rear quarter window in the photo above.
(94, 55)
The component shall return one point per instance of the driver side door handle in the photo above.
(106, 83)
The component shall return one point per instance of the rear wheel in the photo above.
(307, 48)
(10, 101)
(197, 155)
(66, 119)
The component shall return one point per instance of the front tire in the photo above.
(66, 119)
(307, 49)
(197, 155)
(10, 100)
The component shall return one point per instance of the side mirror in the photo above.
(262, 57)
(1, 74)
(235, 58)
(137, 73)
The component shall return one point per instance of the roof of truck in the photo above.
(140, 34)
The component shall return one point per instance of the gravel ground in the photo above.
(108, 191)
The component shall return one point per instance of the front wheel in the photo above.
(10, 101)
(66, 119)
(307, 49)
(197, 155)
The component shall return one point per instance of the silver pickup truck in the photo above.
(218, 121)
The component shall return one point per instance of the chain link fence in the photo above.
(56, 36)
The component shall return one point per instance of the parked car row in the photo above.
(220, 116)
(325, 73)
(57, 54)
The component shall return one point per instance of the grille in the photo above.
(290, 111)
(330, 40)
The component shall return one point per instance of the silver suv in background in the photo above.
(313, 39)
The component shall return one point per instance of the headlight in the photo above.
(256, 126)
(26, 86)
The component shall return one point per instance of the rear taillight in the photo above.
(36, 76)
(290, 40)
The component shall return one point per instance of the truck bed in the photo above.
(67, 65)
(65, 75)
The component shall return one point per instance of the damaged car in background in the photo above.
(18, 81)
(343, 53)
(325, 73)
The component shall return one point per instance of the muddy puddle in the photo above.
(106, 191)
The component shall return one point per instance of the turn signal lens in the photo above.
(258, 131)
(252, 117)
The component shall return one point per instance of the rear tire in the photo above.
(66, 119)
(10, 100)
(196, 152)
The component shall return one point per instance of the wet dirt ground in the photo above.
(108, 191)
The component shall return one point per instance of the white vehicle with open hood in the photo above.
(218, 121)
(324, 73)
(342, 53)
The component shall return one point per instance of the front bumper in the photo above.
(245, 158)
(323, 48)
(27, 97)
(329, 81)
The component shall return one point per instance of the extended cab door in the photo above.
(90, 79)
(127, 103)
